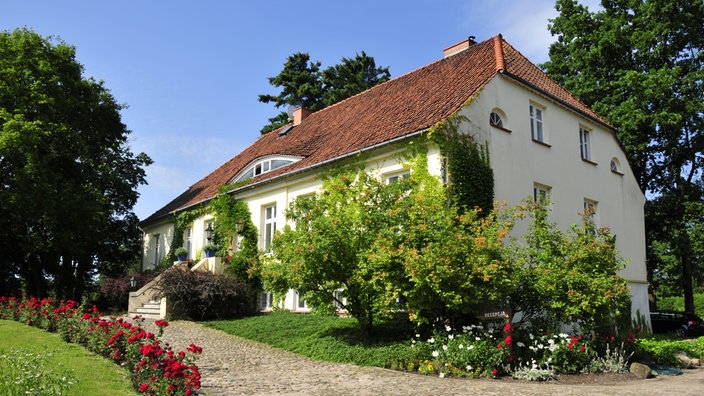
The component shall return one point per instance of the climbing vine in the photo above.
(231, 214)
(471, 179)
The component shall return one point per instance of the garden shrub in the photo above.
(203, 295)
(115, 292)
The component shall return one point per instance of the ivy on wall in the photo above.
(228, 213)
(469, 174)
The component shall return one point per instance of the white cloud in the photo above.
(523, 24)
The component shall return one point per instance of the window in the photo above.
(189, 242)
(397, 176)
(265, 300)
(536, 124)
(263, 165)
(590, 209)
(495, 120)
(269, 226)
(156, 250)
(301, 304)
(541, 193)
(339, 298)
(585, 145)
(616, 166)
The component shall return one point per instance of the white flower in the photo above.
(470, 347)
(442, 375)
(444, 347)
(520, 344)
(460, 346)
(448, 328)
(413, 341)
(436, 353)
(549, 360)
(450, 336)
(469, 368)
(431, 340)
(532, 336)
(563, 335)
(417, 335)
(477, 338)
(551, 341)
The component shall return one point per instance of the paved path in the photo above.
(231, 365)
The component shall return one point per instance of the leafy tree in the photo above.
(303, 84)
(569, 277)
(334, 247)
(639, 63)
(68, 177)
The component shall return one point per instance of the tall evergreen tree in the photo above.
(68, 177)
(303, 84)
(352, 76)
(640, 64)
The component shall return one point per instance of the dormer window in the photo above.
(264, 165)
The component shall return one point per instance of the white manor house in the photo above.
(541, 141)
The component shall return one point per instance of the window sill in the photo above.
(617, 172)
(540, 142)
(589, 161)
(501, 128)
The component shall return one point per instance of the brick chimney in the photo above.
(459, 47)
(300, 114)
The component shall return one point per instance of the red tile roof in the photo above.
(400, 107)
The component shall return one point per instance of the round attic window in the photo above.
(495, 120)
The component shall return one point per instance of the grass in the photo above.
(94, 374)
(328, 338)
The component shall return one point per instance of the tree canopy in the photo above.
(69, 178)
(304, 84)
(640, 64)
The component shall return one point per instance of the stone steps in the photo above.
(149, 310)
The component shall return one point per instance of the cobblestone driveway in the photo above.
(235, 366)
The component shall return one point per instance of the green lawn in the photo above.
(95, 375)
(328, 338)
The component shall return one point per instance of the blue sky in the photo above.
(191, 71)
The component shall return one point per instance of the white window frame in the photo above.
(156, 250)
(393, 177)
(266, 300)
(541, 193)
(496, 120)
(338, 295)
(585, 144)
(537, 123)
(189, 242)
(594, 206)
(264, 165)
(300, 299)
(269, 216)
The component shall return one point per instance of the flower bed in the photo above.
(476, 351)
(155, 368)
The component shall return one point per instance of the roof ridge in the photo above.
(499, 53)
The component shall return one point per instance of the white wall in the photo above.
(519, 162)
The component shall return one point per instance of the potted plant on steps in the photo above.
(181, 253)
(210, 250)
